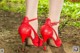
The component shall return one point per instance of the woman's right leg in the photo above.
(31, 13)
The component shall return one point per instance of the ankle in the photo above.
(34, 24)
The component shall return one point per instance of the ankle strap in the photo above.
(33, 19)
(27, 20)
(54, 23)
(49, 22)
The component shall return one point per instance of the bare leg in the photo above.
(55, 8)
(31, 12)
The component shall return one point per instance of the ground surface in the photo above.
(11, 43)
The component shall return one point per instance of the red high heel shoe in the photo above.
(25, 30)
(47, 32)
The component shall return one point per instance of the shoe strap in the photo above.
(48, 21)
(32, 19)
(55, 33)
(54, 23)
(25, 20)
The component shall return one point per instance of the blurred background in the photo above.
(70, 9)
(12, 12)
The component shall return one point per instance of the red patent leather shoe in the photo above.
(47, 32)
(25, 30)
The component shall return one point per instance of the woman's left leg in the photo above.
(55, 7)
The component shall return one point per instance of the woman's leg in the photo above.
(31, 12)
(55, 8)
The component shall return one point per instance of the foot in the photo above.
(51, 42)
(50, 31)
(28, 29)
